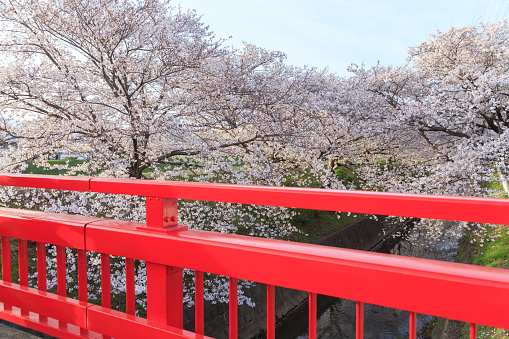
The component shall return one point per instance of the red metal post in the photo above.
(359, 325)
(23, 266)
(41, 267)
(412, 329)
(198, 302)
(61, 276)
(312, 315)
(161, 212)
(41, 272)
(61, 271)
(23, 262)
(473, 331)
(6, 259)
(233, 313)
(271, 312)
(82, 275)
(105, 283)
(130, 295)
(105, 280)
(82, 279)
(164, 283)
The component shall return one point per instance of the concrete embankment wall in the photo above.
(363, 234)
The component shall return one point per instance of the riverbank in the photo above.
(490, 249)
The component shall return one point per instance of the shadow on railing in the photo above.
(478, 295)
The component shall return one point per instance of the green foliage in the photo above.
(33, 168)
(313, 224)
(493, 249)
(348, 176)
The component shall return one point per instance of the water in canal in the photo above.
(337, 316)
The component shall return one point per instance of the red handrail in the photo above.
(478, 295)
(483, 210)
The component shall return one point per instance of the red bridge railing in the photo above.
(478, 295)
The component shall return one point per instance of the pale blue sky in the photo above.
(335, 33)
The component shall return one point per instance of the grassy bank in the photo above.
(314, 225)
(491, 250)
(36, 169)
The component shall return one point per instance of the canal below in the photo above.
(438, 240)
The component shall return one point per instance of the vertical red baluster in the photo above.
(271, 312)
(82, 280)
(23, 266)
(233, 318)
(41, 272)
(61, 271)
(41, 267)
(82, 275)
(312, 315)
(23, 262)
(6, 263)
(105, 280)
(359, 325)
(61, 276)
(164, 283)
(412, 329)
(473, 331)
(129, 288)
(105, 283)
(198, 302)
(6, 259)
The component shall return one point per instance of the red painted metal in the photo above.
(164, 294)
(161, 212)
(167, 248)
(412, 328)
(6, 258)
(59, 182)
(61, 271)
(82, 275)
(41, 275)
(23, 266)
(198, 302)
(6, 263)
(105, 280)
(487, 210)
(164, 283)
(23, 262)
(336, 272)
(47, 325)
(473, 331)
(130, 295)
(105, 283)
(359, 317)
(41, 267)
(64, 309)
(233, 309)
(312, 315)
(121, 325)
(271, 312)
(58, 229)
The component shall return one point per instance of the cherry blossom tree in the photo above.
(136, 86)
(141, 89)
(444, 113)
